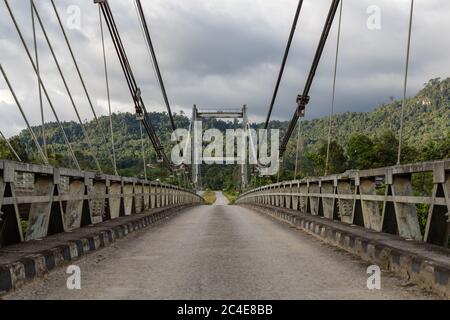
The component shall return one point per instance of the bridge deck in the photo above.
(219, 252)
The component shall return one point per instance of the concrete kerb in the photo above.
(30, 266)
(411, 265)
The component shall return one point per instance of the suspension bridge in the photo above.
(134, 238)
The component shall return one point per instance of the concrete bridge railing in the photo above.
(379, 199)
(36, 201)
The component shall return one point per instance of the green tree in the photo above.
(5, 152)
(337, 161)
(21, 148)
(386, 149)
(360, 152)
(436, 149)
(314, 165)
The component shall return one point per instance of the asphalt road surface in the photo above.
(221, 200)
(219, 252)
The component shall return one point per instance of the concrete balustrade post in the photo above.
(146, 195)
(158, 195)
(314, 190)
(139, 196)
(369, 208)
(304, 200)
(114, 189)
(128, 191)
(345, 204)
(96, 192)
(10, 227)
(400, 217)
(74, 208)
(328, 199)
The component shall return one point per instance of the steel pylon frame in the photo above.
(196, 153)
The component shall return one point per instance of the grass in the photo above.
(210, 197)
(24, 226)
(231, 196)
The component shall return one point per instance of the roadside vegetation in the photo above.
(231, 195)
(210, 197)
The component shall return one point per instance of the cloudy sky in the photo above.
(225, 53)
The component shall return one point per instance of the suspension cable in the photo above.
(252, 147)
(283, 64)
(186, 146)
(105, 64)
(146, 33)
(131, 82)
(10, 147)
(143, 150)
(280, 168)
(44, 139)
(297, 151)
(44, 89)
(69, 93)
(303, 99)
(33, 136)
(405, 84)
(333, 99)
(83, 84)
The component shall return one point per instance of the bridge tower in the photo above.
(197, 153)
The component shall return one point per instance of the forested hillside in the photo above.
(427, 117)
(360, 140)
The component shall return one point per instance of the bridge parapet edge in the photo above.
(39, 200)
(379, 199)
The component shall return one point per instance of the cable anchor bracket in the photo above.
(302, 101)
(137, 98)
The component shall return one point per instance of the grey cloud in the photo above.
(227, 53)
